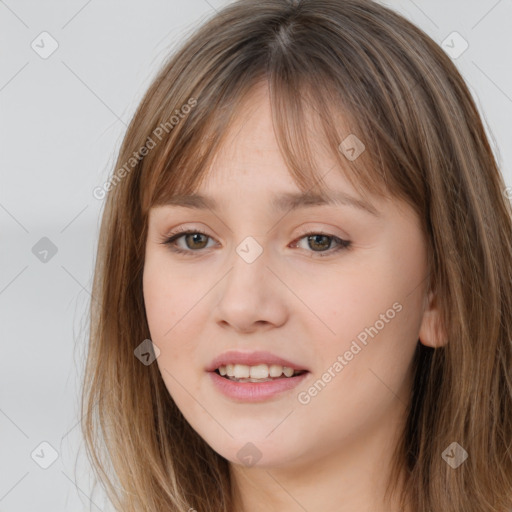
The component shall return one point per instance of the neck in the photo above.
(350, 477)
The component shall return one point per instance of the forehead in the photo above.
(251, 157)
(253, 129)
(250, 154)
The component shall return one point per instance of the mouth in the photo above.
(244, 384)
(257, 373)
(255, 376)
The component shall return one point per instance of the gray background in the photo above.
(62, 121)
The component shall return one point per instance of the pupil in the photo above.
(194, 237)
(314, 237)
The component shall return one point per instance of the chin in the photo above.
(255, 449)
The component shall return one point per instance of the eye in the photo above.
(194, 237)
(320, 240)
(196, 240)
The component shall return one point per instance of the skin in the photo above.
(333, 453)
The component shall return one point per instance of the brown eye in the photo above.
(195, 241)
(320, 243)
(192, 239)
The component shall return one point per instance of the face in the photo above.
(332, 289)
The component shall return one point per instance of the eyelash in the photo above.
(173, 237)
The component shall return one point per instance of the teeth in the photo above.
(288, 371)
(260, 371)
(275, 370)
(241, 371)
(257, 372)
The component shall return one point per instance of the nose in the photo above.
(252, 296)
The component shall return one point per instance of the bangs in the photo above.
(309, 120)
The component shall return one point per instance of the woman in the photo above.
(340, 339)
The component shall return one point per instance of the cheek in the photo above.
(173, 312)
(158, 304)
(168, 296)
(387, 313)
(165, 304)
(373, 314)
(371, 292)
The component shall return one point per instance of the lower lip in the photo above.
(255, 391)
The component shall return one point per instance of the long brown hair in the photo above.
(356, 69)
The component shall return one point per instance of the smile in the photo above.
(260, 372)
(247, 389)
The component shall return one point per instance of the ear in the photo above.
(432, 332)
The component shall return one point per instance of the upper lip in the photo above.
(251, 359)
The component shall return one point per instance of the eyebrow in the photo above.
(279, 203)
